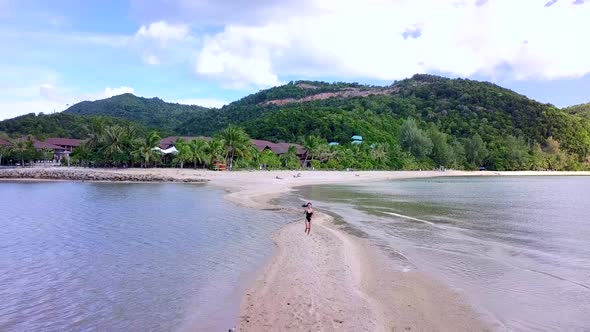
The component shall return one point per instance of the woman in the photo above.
(308, 214)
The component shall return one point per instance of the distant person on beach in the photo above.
(308, 214)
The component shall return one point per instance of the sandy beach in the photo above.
(330, 280)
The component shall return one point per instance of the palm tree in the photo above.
(145, 149)
(198, 149)
(215, 150)
(311, 144)
(117, 144)
(378, 152)
(95, 133)
(184, 152)
(237, 143)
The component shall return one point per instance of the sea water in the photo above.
(516, 248)
(126, 257)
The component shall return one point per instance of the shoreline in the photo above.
(330, 280)
(333, 280)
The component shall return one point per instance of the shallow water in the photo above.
(518, 249)
(125, 257)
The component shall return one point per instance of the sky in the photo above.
(56, 53)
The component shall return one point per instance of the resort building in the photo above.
(68, 144)
(261, 145)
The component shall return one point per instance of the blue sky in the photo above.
(56, 53)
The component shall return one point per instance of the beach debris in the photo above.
(278, 177)
(233, 329)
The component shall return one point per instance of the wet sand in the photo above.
(333, 281)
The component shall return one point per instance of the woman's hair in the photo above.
(308, 204)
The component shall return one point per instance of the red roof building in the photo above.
(40, 145)
(68, 144)
(4, 142)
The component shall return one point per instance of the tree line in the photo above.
(410, 147)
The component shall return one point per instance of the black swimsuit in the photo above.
(308, 215)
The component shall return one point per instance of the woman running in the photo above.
(308, 215)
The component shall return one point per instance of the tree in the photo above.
(270, 159)
(82, 155)
(215, 151)
(290, 159)
(46, 154)
(458, 154)
(184, 153)
(413, 140)
(236, 142)
(145, 149)
(23, 149)
(552, 146)
(379, 153)
(4, 150)
(516, 153)
(442, 153)
(311, 144)
(475, 150)
(198, 151)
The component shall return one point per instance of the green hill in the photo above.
(151, 112)
(458, 107)
(582, 110)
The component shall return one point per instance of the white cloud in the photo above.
(163, 32)
(205, 102)
(110, 92)
(49, 92)
(151, 59)
(369, 40)
(162, 42)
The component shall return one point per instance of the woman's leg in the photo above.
(306, 225)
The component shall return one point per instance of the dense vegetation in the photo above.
(58, 125)
(461, 110)
(423, 122)
(582, 110)
(151, 112)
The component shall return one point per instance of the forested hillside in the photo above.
(582, 110)
(59, 125)
(458, 108)
(151, 112)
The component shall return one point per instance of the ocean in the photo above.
(126, 257)
(516, 248)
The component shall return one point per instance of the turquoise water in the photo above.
(517, 248)
(126, 257)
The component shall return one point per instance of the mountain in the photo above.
(582, 110)
(458, 107)
(151, 112)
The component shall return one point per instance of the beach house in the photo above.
(356, 139)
